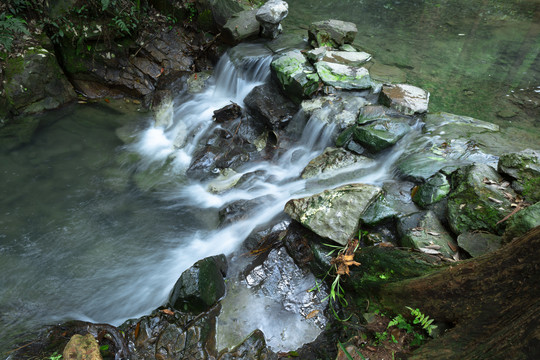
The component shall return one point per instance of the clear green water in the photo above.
(478, 58)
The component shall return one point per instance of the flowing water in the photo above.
(92, 229)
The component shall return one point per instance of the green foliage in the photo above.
(55, 356)
(423, 320)
(10, 26)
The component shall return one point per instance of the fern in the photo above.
(9, 26)
(422, 320)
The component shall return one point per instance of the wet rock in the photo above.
(197, 82)
(334, 213)
(222, 10)
(340, 110)
(170, 334)
(334, 160)
(296, 76)
(82, 348)
(227, 113)
(432, 191)
(201, 286)
(261, 103)
(381, 134)
(240, 210)
(34, 82)
(448, 142)
(270, 16)
(524, 168)
(394, 202)
(226, 180)
(331, 33)
(522, 221)
(423, 231)
(241, 26)
(385, 73)
(272, 286)
(343, 76)
(477, 200)
(479, 243)
(350, 58)
(252, 348)
(405, 98)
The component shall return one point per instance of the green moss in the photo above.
(531, 189)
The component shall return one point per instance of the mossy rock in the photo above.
(524, 168)
(381, 134)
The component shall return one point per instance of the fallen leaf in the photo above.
(414, 191)
(434, 247)
(429, 251)
(495, 200)
(433, 233)
(461, 206)
(452, 246)
(312, 314)
(167, 311)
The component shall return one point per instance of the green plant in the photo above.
(348, 354)
(9, 27)
(340, 266)
(423, 320)
(55, 356)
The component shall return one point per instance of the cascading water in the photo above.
(178, 134)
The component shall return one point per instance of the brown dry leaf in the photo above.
(508, 195)
(489, 182)
(312, 314)
(452, 246)
(167, 311)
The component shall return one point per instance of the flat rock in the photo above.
(405, 98)
(241, 26)
(334, 213)
(381, 134)
(343, 76)
(334, 160)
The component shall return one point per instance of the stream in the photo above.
(96, 230)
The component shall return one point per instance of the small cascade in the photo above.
(180, 128)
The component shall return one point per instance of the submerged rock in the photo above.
(334, 213)
(478, 201)
(331, 33)
(479, 243)
(201, 286)
(296, 76)
(270, 16)
(381, 134)
(343, 76)
(524, 168)
(405, 98)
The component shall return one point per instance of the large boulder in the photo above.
(405, 98)
(241, 26)
(381, 134)
(331, 33)
(524, 168)
(478, 200)
(261, 103)
(200, 286)
(270, 16)
(34, 82)
(343, 76)
(295, 74)
(522, 221)
(449, 141)
(334, 213)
